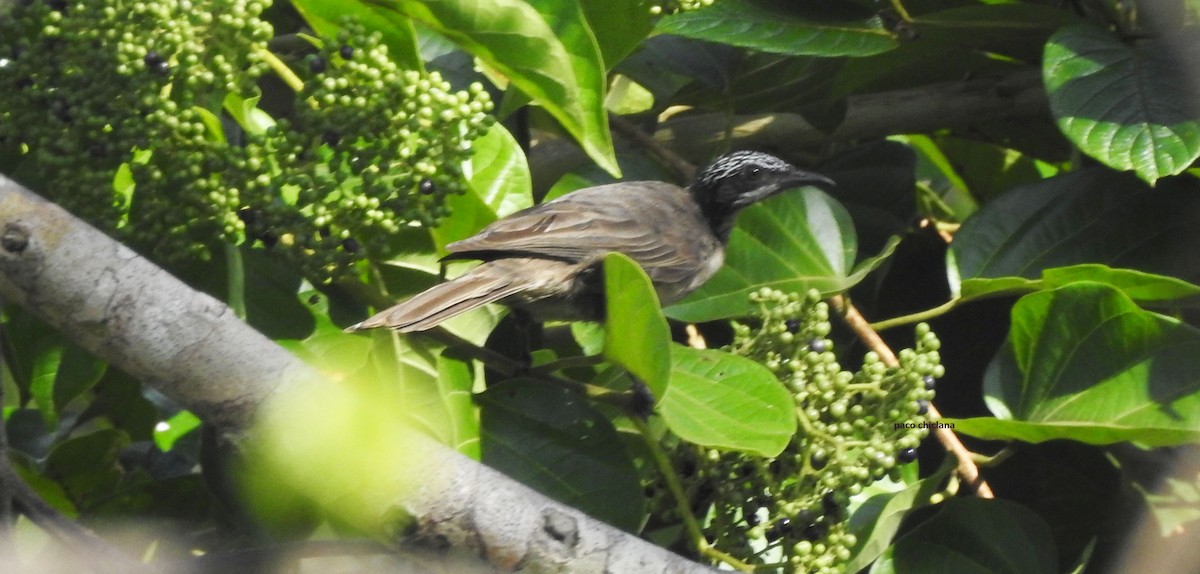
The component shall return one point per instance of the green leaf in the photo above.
(78, 371)
(977, 536)
(87, 466)
(513, 38)
(455, 381)
(182, 423)
(430, 382)
(246, 113)
(770, 28)
(725, 401)
(499, 182)
(555, 442)
(398, 34)
(1088, 216)
(619, 25)
(499, 172)
(1146, 289)
(797, 241)
(566, 19)
(41, 382)
(1133, 107)
(1083, 362)
(878, 520)
(636, 334)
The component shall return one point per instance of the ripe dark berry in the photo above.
(249, 215)
(907, 455)
(780, 529)
(751, 517)
(930, 382)
(324, 231)
(346, 52)
(426, 186)
(818, 460)
(793, 326)
(818, 345)
(350, 245)
(922, 407)
(155, 63)
(830, 505)
(316, 64)
(269, 239)
(816, 531)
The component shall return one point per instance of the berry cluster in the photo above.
(370, 148)
(854, 429)
(114, 103)
(676, 6)
(120, 111)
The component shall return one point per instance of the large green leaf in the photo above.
(435, 389)
(878, 520)
(566, 19)
(797, 241)
(397, 31)
(1089, 216)
(499, 185)
(513, 38)
(555, 442)
(1144, 288)
(771, 28)
(1131, 106)
(977, 536)
(619, 26)
(636, 335)
(1083, 362)
(721, 400)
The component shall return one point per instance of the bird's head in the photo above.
(737, 180)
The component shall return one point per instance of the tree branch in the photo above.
(190, 347)
(917, 110)
(967, 469)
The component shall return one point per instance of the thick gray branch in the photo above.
(191, 347)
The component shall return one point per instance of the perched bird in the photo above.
(546, 260)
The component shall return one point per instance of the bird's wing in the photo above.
(629, 217)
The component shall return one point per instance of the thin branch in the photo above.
(682, 167)
(917, 317)
(926, 109)
(967, 469)
(86, 546)
(690, 524)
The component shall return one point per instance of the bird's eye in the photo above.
(756, 172)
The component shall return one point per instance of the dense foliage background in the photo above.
(1017, 174)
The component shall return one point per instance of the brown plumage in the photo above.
(545, 259)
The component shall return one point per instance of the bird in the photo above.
(546, 260)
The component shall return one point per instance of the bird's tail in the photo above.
(475, 288)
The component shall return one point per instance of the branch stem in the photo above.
(967, 469)
(690, 524)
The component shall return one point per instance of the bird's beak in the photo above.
(796, 179)
(800, 178)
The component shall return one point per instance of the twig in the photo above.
(681, 505)
(967, 469)
(513, 368)
(683, 168)
(86, 546)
